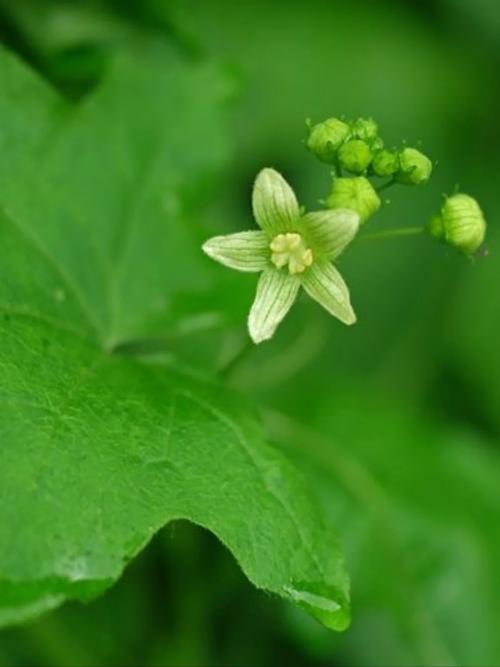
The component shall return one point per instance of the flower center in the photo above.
(290, 249)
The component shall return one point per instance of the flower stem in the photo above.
(389, 233)
(228, 368)
(386, 185)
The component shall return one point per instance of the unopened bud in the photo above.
(414, 167)
(385, 163)
(376, 145)
(356, 194)
(325, 139)
(460, 223)
(355, 156)
(365, 129)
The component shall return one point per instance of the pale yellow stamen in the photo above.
(290, 249)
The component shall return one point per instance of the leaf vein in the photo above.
(35, 243)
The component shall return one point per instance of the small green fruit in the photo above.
(385, 163)
(460, 223)
(325, 139)
(415, 167)
(355, 156)
(356, 194)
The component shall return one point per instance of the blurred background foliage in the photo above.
(397, 420)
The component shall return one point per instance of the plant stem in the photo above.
(237, 358)
(385, 185)
(389, 233)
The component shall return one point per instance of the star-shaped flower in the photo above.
(291, 250)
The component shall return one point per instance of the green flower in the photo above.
(291, 250)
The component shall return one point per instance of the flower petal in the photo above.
(325, 285)
(274, 203)
(244, 251)
(331, 230)
(276, 292)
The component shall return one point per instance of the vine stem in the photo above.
(389, 233)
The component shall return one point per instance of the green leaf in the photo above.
(111, 185)
(99, 207)
(103, 450)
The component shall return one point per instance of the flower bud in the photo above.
(460, 223)
(356, 194)
(355, 156)
(385, 163)
(325, 139)
(365, 129)
(376, 145)
(415, 167)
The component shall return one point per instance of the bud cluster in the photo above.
(357, 147)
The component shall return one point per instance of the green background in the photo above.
(394, 422)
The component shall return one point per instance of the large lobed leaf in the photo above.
(98, 451)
